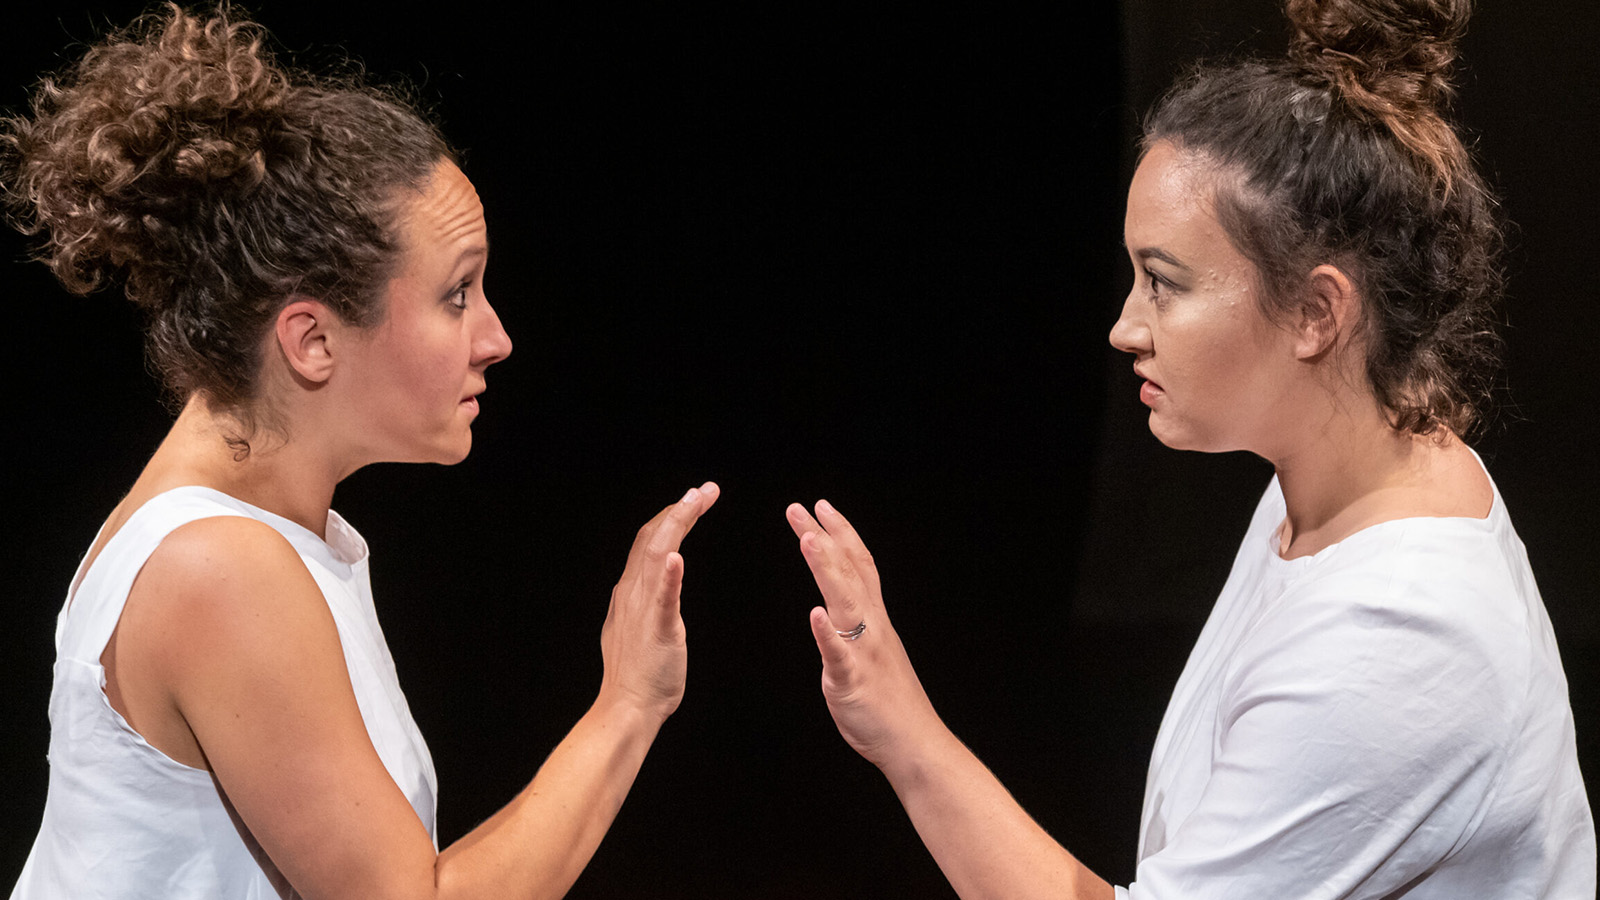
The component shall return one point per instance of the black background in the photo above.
(869, 256)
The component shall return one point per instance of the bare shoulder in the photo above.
(213, 576)
(216, 544)
(224, 606)
(237, 633)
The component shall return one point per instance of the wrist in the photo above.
(916, 760)
(617, 708)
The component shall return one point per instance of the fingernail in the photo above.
(692, 496)
(825, 506)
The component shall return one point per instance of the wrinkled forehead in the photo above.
(447, 212)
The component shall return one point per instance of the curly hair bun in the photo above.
(171, 105)
(1389, 60)
(179, 157)
(1399, 50)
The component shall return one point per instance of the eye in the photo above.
(458, 297)
(1160, 288)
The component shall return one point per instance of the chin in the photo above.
(1180, 438)
(444, 451)
(1176, 438)
(453, 455)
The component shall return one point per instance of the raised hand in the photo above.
(986, 844)
(642, 641)
(867, 679)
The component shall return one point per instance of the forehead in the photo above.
(446, 216)
(1171, 186)
(1172, 206)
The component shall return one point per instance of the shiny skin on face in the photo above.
(1217, 372)
(415, 375)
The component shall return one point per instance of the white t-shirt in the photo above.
(123, 819)
(1386, 718)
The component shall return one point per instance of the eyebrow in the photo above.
(1164, 256)
(475, 251)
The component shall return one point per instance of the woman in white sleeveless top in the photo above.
(1376, 707)
(225, 716)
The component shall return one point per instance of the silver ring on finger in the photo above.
(853, 633)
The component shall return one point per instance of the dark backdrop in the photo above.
(871, 257)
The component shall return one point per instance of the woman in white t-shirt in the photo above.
(1376, 707)
(225, 716)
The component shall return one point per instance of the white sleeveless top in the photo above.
(123, 819)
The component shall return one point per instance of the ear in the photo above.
(1331, 309)
(303, 330)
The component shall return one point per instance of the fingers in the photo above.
(842, 531)
(709, 492)
(800, 520)
(677, 519)
(843, 589)
(661, 538)
(830, 520)
(848, 543)
(665, 531)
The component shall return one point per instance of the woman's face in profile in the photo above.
(416, 374)
(1214, 367)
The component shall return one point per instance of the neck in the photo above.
(1357, 471)
(289, 477)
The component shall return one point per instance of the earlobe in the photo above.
(1330, 309)
(303, 338)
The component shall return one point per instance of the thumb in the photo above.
(837, 659)
(671, 587)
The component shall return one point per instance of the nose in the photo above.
(1131, 334)
(491, 343)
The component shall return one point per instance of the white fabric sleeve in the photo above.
(1356, 747)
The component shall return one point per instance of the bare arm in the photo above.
(982, 839)
(229, 625)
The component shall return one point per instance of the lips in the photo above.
(1150, 391)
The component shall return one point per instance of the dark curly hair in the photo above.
(1341, 153)
(178, 157)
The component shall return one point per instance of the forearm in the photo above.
(538, 844)
(985, 843)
